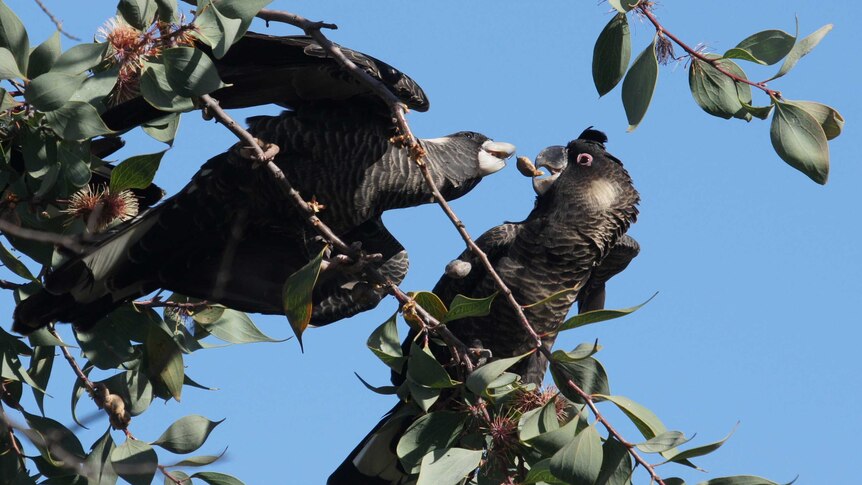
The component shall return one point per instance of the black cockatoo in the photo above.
(230, 236)
(573, 238)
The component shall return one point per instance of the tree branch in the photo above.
(259, 156)
(646, 9)
(56, 21)
(67, 242)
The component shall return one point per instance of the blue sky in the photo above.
(757, 268)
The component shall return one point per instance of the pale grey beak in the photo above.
(493, 155)
(552, 161)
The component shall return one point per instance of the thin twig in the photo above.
(67, 242)
(646, 9)
(56, 21)
(5, 421)
(613, 432)
(8, 285)
(158, 303)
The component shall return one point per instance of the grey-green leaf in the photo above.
(433, 431)
(186, 434)
(800, 141)
(8, 66)
(423, 369)
(766, 47)
(464, 307)
(829, 118)
(588, 374)
(448, 467)
(739, 480)
(138, 13)
(296, 295)
(714, 91)
(202, 460)
(611, 54)
(683, 456)
(163, 129)
(639, 85)
(623, 6)
(135, 461)
(663, 442)
(479, 379)
(596, 316)
(580, 461)
(801, 49)
(80, 58)
(13, 36)
(100, 470)
(616, 464)
(14, 264)
(135, 172)
(190, 72)
(236, 327)
(386, 345)
(215, 478)
(215, 29)
(76, 121)
(43, 56)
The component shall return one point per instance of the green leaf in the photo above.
(214, 478)
(135, 389)
(74, 161)
(645, 420)
(165, 361)
(156, 90)
(182, 476)
(663, 442)
(538, 421)
(386, 345)
(163, 129)
(739, 480)
(13, 36)
(767, 47)
(596, 316)
(623, 6)
(715, 92)
(540, 472)
(96, 88)
(40, 370)
(202, 460)
(580, 461)
(8, 67)
(296, 295)
(43, 56)
(190, 72)
(553, 441)
(581, 352)
(55, 442)
(761, 112)
(801, 49)
(588, 374)
(135, 172)
(245, 10)
(135, 462)
(448, 467)
(98, 464)
(236, 327)
(479, 379)
(186, 434)
(423, 369)
(423, 396)
(616, 464)
(431, 303)
(552, 297)
(611, 54)
(6, 102)
(137, 13)
(167, 10)
(76, 121)
(830, 120)
(463, 307)
(384, 390)
(683, 456)
(216, 30)
(14, 264)
(800, 141)
(437, 430)
(81, 58)
(639, 85)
